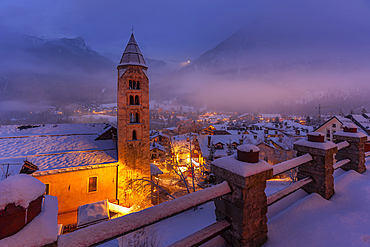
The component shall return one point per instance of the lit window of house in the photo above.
(47, 189)
(219, 146)
(93, 184)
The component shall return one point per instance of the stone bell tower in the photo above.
(133, 123)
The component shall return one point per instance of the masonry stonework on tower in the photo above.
(133, 123)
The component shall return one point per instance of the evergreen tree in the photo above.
(229, 149)
(211, 152)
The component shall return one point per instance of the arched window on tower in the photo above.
(132, 118)
(131, 100)
(133, 84)
(130, 84)
(137, 101)
(137, 117)
(138, 85)
(134, 137)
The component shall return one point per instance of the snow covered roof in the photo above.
(132, 54)
(157, 146)
(10, 169)
(51, 147)
(224, 139)
(219, 126)
(263, 115)
(154, 170)
(245, 114)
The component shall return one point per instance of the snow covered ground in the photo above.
(300, 219)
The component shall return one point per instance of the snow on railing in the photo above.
(342, 145)
(367, 154)
(290, 164)
(271, 199)
(204, 235)
(109, 230)
(341, 163)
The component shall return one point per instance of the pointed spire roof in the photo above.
(132, 54)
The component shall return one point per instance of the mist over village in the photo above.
(197, 123)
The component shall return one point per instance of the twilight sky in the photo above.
(164, 29)
(291, 50)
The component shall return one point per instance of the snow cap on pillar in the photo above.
(248, 153)
(316, 137)
(132, 54)
(350, 127)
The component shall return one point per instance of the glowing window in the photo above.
(47, 189)
(93, 184)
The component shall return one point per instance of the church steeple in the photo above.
(132, 54)
(133, 123)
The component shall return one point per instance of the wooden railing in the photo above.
(342, 145)
(284, 167)
(290, 164)
(271, 199)
(112, 229)
(341, 163)
(202, 236)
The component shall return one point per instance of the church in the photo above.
(86, 163)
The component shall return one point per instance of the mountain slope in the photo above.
(54, 71)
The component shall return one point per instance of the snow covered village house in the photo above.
(75, 167)
(330, 127)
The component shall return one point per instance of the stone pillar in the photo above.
(320, 168)
(356, 149)
(246, 207)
